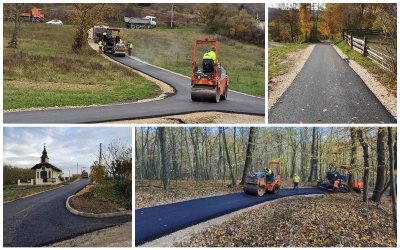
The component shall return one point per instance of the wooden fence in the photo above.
(388, 63)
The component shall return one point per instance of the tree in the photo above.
(233, 179)
(164, 163)
(314, 159)
(12, 12)
(114, 153)
(364, 146)
(87, 15)
(98, 172)
(392, 180)
(249, 152)
(380, 170)
(352, 156)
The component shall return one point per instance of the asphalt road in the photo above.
(154, 222)
(327, 90)
(43, 219)
(179, 103)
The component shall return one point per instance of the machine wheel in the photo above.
(217, 95)
(276, 189)
(225, 95)
(344, 189)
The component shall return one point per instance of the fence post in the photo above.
(365, 46)
(351, 40)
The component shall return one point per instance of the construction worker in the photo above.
(319, 181)
(100, 43)
(268, 172)
(210, 54)
(296, 180)
(130, 47)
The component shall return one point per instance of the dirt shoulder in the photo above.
(118, 236)
(149, 193)
(182, 237)
(87, 201)
(334, 220)
(295, 62)
(198, 118)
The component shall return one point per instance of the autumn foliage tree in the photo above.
(87, 15)
(98, 172)
(12, 12)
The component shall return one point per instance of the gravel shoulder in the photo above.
(198, 118)
(278, 85)
(118, 236)
(388, 100)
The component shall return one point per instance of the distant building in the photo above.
(261, 21)
(45, 172)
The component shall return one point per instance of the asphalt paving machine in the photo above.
(337, 181)
(210, 82)
(258, 183)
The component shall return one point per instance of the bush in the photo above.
(98, 173)
(12, 174)
(115, 191)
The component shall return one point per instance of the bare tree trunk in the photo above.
(15, 9)
(313, 156)
(352, 157)
(249, 153)
(364, 146)
(164, 163)
(233, 183)
(392, 180)
(380, 170)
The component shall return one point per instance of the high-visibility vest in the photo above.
(100, 44)
(131, 45)
(210, 55)
(268, 171)
(296, 179)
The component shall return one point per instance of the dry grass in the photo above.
(55, 76)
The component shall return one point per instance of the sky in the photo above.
(66, 146)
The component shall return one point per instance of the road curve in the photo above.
(43, 219)
(327, 90)
(179, 103)
(154, 222)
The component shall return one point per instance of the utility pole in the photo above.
(172, 16)
(69, 173)
(100, 156)
(77, 172)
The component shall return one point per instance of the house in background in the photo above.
(261, 21)
(45, 172)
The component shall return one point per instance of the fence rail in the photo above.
(385, 61)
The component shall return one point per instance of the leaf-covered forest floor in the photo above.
(150, 193)
(334, 220)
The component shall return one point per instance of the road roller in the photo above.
(210, 81)
(258, 183)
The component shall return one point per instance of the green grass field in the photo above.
(12, 192)
(388, 80)
(44, 72)
(173, 48)
(279, 54)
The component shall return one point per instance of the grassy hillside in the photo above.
(173, 48)
(43, 72)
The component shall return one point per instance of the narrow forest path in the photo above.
(154, 222)
(327, 90)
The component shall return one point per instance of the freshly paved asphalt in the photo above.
(154, 222)
(179, 103)
(327, 90)
(43, 219)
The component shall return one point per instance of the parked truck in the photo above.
(148, 22)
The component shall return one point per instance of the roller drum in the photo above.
(252, 189)
(204, 95)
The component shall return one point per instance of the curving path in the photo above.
(154, 222)
(327, 90)
(179, 103)
(42, 219)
